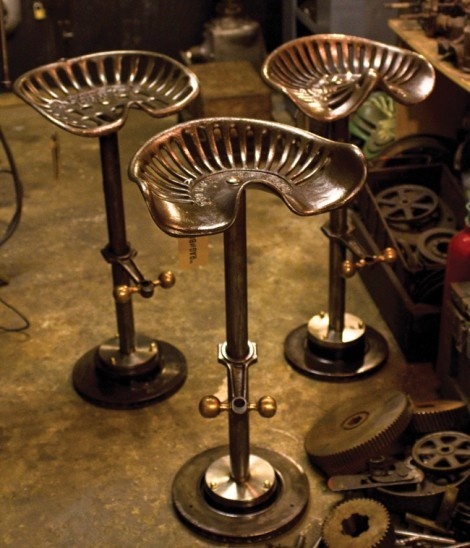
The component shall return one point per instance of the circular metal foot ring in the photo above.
(300, 356)
(277, 515)
(94, 385)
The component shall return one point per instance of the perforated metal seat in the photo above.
(91, 95)
(194, 179)
(328, 76)
(192, 175)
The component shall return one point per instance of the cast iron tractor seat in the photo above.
(91, 96)
(328, 77)
(194, 179)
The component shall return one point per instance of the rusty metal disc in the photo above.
(432, 245)
(347, 436)
(439, 415)
(359, 523)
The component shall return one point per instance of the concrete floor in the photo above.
(74, 474)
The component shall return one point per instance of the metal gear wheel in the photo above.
(346, 437)
(442, 452)
(439, 415)
(358, 523)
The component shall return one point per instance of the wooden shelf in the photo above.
(443, 111)
(413, 35)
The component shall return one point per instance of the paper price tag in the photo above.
(193, 252)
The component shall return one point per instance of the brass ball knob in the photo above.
(389, 254)
(167, 279)
(209, 407)
(122, 293)
(267, 407)
(349, 269)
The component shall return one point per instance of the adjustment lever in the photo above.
(389, 472)
(122, 293)
(349, 268)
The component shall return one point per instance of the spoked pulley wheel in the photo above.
(443, 452)
(408, 206)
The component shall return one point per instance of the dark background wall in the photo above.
(76, 27)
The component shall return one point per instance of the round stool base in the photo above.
(300, 353)
(275, 515)
(95, 385)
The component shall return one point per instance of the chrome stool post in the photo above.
(328, 77)
(90, 96)
(194, 179)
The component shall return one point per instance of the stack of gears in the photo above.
(422, 225)
(403, 468)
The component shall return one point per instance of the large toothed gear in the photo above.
(349, 435)
(359, 523)
(439, 415)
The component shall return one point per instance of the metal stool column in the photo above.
(194, 178)
(91, 96)
(328, 77)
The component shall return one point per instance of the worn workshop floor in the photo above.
(77, 475)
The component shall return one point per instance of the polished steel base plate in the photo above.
(301, 355)
(159, 374)
(240, 523)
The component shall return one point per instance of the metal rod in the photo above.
(237, 347)
(236, 292)
(337, 283)
(337, 252)
(118, 246)
(5, 66)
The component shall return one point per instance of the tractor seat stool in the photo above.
(194, 179)
(328, 77)
(90, 96)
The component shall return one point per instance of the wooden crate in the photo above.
(230, 88)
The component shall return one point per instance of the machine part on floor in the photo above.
(382, 472)
(220, 492)
(90, 96)
(359, 523)
(408, 207)
(328, 77)
(432, 245)
(426, 525)
(442, 452)
(460, 521)
(231, 36)
(349, 435)
(439, 415)
(425, 498)
(421, 540)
